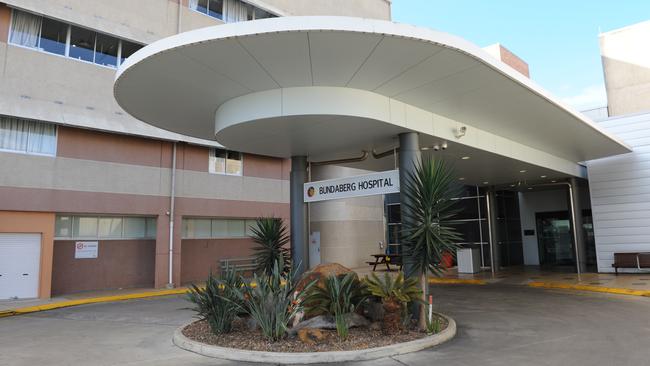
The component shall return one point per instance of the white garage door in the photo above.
(20, 256)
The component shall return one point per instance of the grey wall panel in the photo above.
(620, 192)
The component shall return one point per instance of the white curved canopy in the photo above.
(239, 82)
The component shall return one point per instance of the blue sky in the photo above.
(558, 39)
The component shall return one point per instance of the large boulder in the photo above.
(320, 273)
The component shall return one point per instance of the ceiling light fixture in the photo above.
(465, 158)
(461, 178)
(523, 171)
(542, 176)
(553, 181)
(486, 182)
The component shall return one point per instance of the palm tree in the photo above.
(428, 207)
(272, 238)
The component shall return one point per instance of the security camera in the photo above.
(444, 145)
(460, 132)
(436, 147)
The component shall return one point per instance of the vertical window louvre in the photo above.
(106, 50)
(27, 136)
(84, 227)
(63, 226)
(110, 227)
(25, 29)
(234, 163)
(135, 227)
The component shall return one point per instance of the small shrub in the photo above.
(339, 297)
(217, 303)
(395, 295)
(434, 324)
(273, 301)
(270, 234)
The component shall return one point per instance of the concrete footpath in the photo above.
(497, 325)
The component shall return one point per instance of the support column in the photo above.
(410, 156)
(575, 206)
(495, 252)
(299, 242)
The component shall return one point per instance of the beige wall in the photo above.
(351, 229)
(626, 64)
(34, 222)
(377, 9)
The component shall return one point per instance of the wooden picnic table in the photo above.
(387, 259)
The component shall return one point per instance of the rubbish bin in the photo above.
(469, 260)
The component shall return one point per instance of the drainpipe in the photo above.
(180, 11)
(172, 195)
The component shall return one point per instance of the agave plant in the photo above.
(429, 206)
(271, 235)
(395, 294)
(218, 302)
(273, 301)
(341, 296)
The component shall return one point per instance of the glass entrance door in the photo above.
(554, 239)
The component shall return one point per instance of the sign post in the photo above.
(357, 186)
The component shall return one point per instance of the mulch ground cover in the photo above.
(242, 337)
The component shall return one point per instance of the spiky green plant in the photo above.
(273, 301)
(395, 293)
(217, 302)
(428, 207)
(341, 296)
(271, 235)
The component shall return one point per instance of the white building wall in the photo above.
(531, 203)
(620, 192)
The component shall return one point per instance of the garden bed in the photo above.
(243, 338)
(243, 344)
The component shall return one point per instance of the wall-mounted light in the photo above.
(460, 132)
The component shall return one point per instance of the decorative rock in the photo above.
(327, 322)
(320, 272)
(310, 335)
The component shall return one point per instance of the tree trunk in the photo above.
(423, 307)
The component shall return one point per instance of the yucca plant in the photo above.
(273, 301)
(428, 208)
(395, 294)
(218, 301)
(271, 235)
(340, 297)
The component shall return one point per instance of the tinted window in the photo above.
(106, 50)
(82, 44)
(53, 36)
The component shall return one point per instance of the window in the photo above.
(104, 227)
(82, 44)
(53, 36)
(229, 10)
(225, 162)
(31, 137)
(205, 228)
(106, 50)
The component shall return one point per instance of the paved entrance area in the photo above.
(497, 325)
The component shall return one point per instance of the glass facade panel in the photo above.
(54, 36)
(236, 228)
(135, 227)
(234, 163)
(106, 50)
(110, 227)
(63, 226)
(151, 227)
(82, 44)
(128, 48)
(84, 227)
(219, 228)
(215, 9)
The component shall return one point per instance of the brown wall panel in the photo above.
(5, 19)
(78, 143)
(200, 256)
(263, 167)
(120, 264)
(192, 157)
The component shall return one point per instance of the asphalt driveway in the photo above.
(497, 325)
